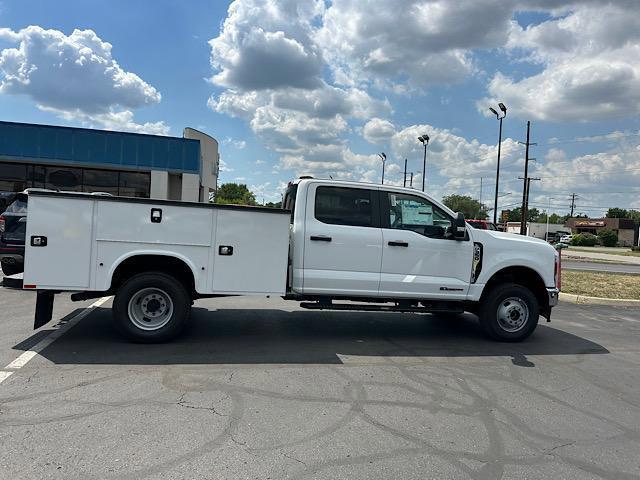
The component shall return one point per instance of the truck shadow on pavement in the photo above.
(269, 336)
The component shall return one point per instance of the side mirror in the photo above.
(459, 227)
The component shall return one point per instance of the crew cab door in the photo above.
(342, 241)
(420, 258)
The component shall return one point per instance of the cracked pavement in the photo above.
(258, 388)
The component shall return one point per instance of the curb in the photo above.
(584, 300)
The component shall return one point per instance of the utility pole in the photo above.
(573, 204)
(404, 181)
(525, 204)
(523, 214)
(481, 193)
(411, 184)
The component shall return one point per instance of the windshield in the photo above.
(18, 206)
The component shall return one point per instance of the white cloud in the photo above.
(378, 130)
(76, 77)
(112, 120)
(413, 43)
(237, 144)
(224, 166)
(266, 44)
(590, 60)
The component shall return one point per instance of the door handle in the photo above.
(398, 244)
(320, 238)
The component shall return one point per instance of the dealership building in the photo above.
(120, 163)
(625, 228)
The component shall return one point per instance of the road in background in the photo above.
(588, 255)
(259, 388)
(601, 267)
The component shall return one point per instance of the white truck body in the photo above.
(342, 240)
(89, 237)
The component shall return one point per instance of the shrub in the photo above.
(608, 237)
(584, 240)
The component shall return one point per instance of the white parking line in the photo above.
(59, 330)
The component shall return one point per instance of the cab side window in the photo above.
(410, 212)
(344, 206)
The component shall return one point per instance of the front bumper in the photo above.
(553, 293)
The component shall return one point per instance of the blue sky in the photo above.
(296, 87)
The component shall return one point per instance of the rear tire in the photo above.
(509, 313)
(151, 308)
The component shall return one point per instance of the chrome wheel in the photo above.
(513, 314)
(150, 309)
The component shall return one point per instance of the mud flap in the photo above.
(44, 308)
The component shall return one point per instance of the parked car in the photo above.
(13, 223)
(566, 239)
(336, 246)
(481, 224)
(5, 200)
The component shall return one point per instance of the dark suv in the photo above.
(13, 225)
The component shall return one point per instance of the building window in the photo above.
(135, 184)
(13, 177)
(100, 181)
(64, 178)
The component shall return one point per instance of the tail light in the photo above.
(1, 224)
(558, 270)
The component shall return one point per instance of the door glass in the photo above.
(408, 212)
(344, 206)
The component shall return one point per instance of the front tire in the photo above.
(151, 308)
(509, 313)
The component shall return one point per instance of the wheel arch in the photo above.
(171, 264)
(520, 275)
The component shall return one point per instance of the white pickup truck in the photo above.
(335, 245)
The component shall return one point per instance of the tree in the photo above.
(608, 237)
(533, 215)
(468, 206)
(617, 213)
(273, 205)
(235, 193)
(554, 218)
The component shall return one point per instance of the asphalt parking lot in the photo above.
(258, 388)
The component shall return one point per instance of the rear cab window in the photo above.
(289, 201)
(346, 206)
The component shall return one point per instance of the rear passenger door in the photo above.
(342, 241)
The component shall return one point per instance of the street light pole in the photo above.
(424, 139)
(499, 117)
(384, 159)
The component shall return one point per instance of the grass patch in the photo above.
(604, 285)
(610, 251)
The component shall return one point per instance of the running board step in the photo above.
(436, 308)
